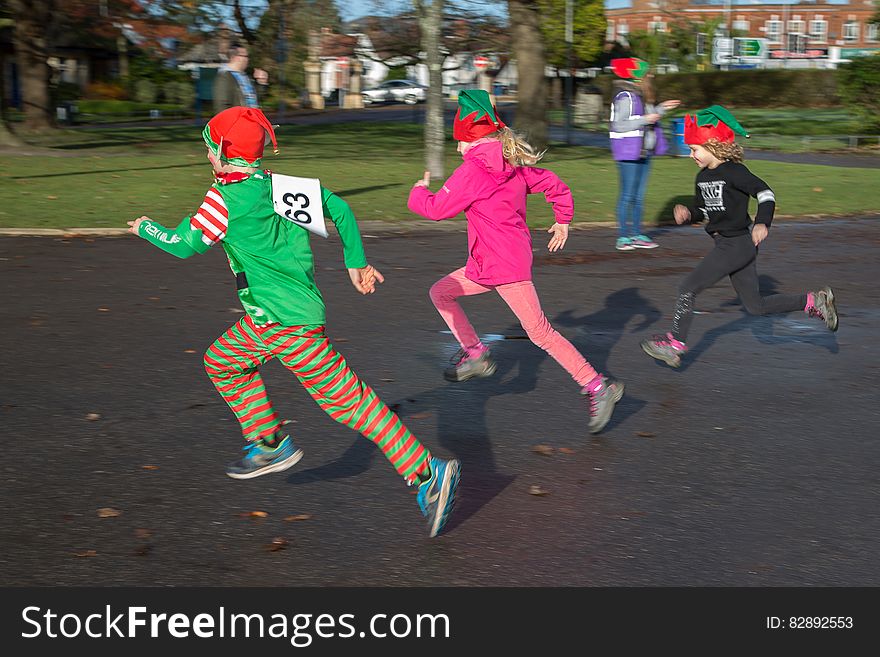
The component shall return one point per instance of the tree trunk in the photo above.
(528, 48)
(431, 24)
(31, 19)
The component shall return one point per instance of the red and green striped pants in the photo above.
(232, 364)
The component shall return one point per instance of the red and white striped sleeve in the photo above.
(211, 219)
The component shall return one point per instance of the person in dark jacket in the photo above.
(723, 188)
(233, 87)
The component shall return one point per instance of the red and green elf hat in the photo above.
(711, 123)
(630, 68)
(237, 135)
(476, 116)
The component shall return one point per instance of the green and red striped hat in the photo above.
(630, 68)
(238, 135)
(476, 116)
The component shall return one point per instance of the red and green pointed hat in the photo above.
(476, 116)
(630, 68)
(711, 123)
(238, 135)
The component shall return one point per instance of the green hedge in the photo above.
(749, 88)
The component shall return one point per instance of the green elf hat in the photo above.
(237, 135)
(711, 123)
(476, 116)
(630, 68)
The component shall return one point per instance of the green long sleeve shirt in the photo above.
(270, 256)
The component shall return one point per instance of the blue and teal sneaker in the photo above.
(624, 244)
(260, 459)
(437, 495)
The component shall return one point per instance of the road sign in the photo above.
(481, 62)
(750, 47)
(739, 50)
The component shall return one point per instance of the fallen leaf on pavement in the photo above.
(87, 553)
(566, 450)
(253, 514)
(150, 467)
(277, 544)
(543, 450)
(301, 516)
(419, 416)
(143, 533)
(93, 416)
(537, 490)
(108, 512)
(645, 434)
(189, 351)
(103, 310)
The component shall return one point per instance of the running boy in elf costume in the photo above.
(723, 188)
(272, 263)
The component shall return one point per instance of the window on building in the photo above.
(609, 31)
(797, 27)
(850, 31)
(819, 30)
(741, 26)
(871, 32)
(623, 29)
(773, 30)
(797, 43)
(656, 26)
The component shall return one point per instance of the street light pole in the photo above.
(569, 37)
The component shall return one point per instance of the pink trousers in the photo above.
(523, 301)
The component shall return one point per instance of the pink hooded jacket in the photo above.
(492, 193)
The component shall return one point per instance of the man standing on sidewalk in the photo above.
(232, 86)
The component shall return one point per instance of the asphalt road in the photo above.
(755, 464)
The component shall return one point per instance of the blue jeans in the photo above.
(633, 180)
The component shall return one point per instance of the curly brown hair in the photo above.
(725, 150)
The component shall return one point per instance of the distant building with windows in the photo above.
(794, 30)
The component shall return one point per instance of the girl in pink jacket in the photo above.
(491, 187)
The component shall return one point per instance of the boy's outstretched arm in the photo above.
(195, 234)
(363, 276)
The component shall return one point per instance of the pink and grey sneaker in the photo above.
(643, 242)
(464, 366)
(604, 393)
(665, 348)
(821, 304)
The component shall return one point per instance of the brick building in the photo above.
(805, 29)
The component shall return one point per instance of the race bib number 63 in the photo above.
(299, 200)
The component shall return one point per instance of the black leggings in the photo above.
(734, 257)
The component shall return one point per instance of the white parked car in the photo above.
(396, 91)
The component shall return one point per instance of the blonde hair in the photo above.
(516, 149)
(725, 150)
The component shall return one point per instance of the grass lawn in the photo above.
(105, 177)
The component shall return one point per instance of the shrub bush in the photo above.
(860, 89)
(105, 91)
(181, 93)
(145, 91)
(756, 88)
